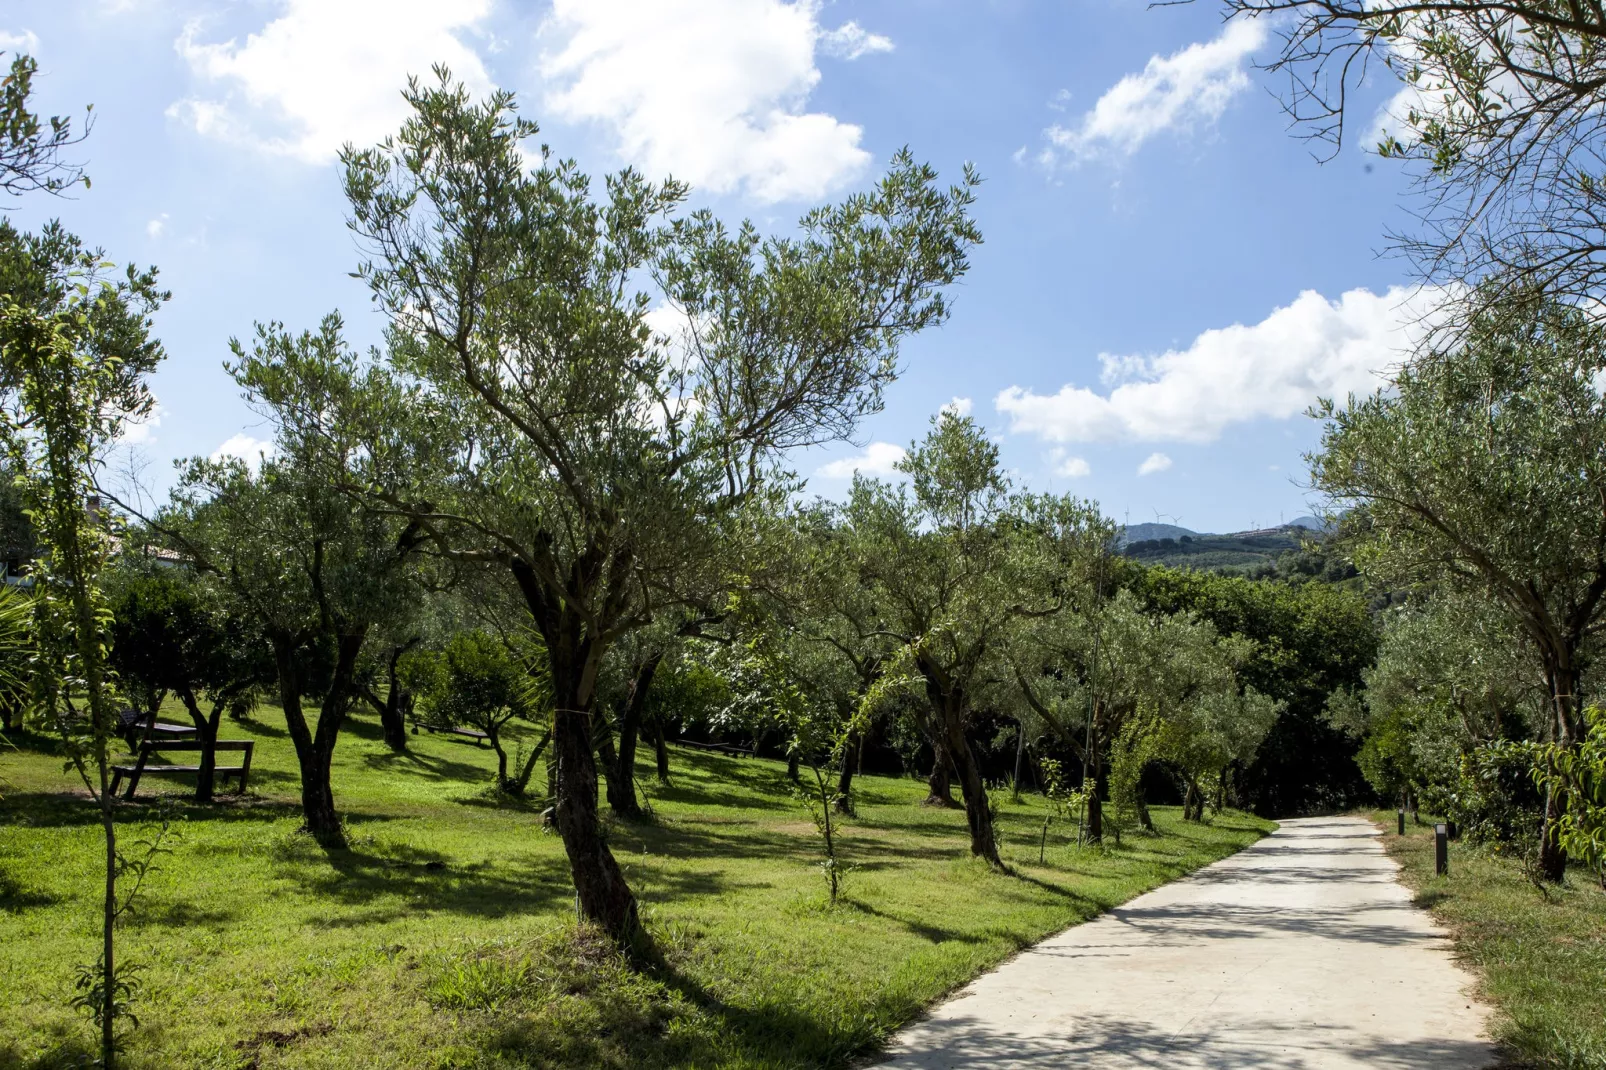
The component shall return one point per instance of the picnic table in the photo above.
(130, 722)
(158, 736)
(149, 747)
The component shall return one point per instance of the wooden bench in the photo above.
(467, 733)
(142, 766)
(721, 748)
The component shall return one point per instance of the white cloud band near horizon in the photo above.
(1188, 89)
(879, 459)
(1273, 369)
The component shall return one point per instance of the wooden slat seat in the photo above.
(143, 765)
(467, 733)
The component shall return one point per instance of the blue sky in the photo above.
(1168, 276)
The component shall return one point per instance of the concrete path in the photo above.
(1299, 952)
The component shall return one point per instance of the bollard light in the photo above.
(1441, 850)
(1402, 822)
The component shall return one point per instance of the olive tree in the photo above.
(318, 573)
(1497, 110)
(1483, 468)
(955, 561)
(535, 418)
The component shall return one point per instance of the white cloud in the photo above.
(958, 406)
(26, 41)
(850, 41)
(878, 459)
(1068, 466)
(1154, 462)
(324, 72)
(1273, 369)
(711, 91)
(142, 432)
(245, 448)
(157, 227)
(1186, 89)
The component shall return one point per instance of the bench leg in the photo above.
(245, 769)
(117, 777)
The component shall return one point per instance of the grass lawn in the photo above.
(1541, 958)
(446, 937)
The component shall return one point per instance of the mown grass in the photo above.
(445, 935)
(1540, 955)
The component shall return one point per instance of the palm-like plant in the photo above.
(16, 614)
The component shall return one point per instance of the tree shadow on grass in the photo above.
(67, 1049)
(177, 914)
(935, 934)
(72, 810)
(256, 727)
(413, 880)
(426, 766)
(15, 897)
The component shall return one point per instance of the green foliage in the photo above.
(175, 632)
(31, 146)
(16, 653)
(64, 395)
(1579, 773)
(1309, 640)
(479, 681)
(1483, 468)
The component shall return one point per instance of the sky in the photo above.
(1169, 276)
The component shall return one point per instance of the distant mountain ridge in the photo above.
(1147, 532)
(1171, 544)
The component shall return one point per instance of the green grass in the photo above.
(1540, 956)
(445, 935)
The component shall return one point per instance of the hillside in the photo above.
(1165, 544)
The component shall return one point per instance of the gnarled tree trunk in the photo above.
(315, 749)
(844, 784)
(978, 808)
(1563, 678)
(939, 790)
(661, 751)
(620, 768)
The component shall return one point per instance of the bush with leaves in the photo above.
(1579, 773)
(479, 683)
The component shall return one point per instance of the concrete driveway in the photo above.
(1302, 951)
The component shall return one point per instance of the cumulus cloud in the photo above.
(713, 92)
(959, 406)
(142, 432)
(850, 41)
(26, 41)
(325, 73)
(878, 459)
(1187, 89)
(1273, 369)
(1066, 465)
(157, 227)
(1154, 462)
(245, 448)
